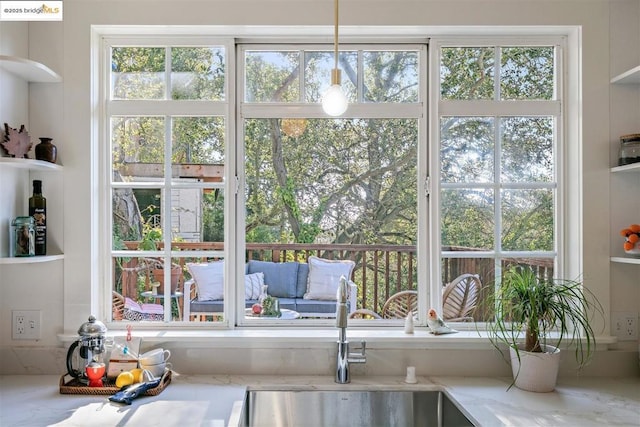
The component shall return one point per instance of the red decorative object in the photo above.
(16, 143)
(95, 373)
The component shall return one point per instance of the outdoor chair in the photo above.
(460, 298)
(400, 304)
(124, 308)
(117, 305)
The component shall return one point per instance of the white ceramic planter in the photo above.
(536, 372)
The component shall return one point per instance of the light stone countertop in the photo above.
(216, 400)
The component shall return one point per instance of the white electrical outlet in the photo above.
(26, 324)
(624, 325)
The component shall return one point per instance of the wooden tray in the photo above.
(74, 386)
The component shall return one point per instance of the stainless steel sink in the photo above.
(351, 408)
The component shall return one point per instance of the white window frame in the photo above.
(430, 224)
(356, 110)
(499, 108)
(167, 108)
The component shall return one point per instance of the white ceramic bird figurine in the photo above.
(437, 325)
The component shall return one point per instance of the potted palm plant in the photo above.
(547, 313)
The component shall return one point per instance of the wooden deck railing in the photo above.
(381, 270)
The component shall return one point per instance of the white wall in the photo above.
(608, 48)
(624, 119)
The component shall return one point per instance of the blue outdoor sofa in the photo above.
(286, 281)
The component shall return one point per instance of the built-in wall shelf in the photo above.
(21, 166)
(628, 77)
(625, 260)
(633, 167)
(31, 164)
(31, 259)
(31, 71)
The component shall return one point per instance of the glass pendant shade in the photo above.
(334, 101)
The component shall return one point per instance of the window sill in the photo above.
(315, 338)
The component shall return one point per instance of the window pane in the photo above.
(467, 285)
(467, 219)
(198, 141)
(343, 189)
(197, 73)
(317, 74)
(208, 303)
(138, 292)
(137, 73)
(137, 147)
(197, 216)
(543, 267)
(272, 76)
(390, 76)
(527, 217)
(527, 73)
(527, 144)
(137, 219)
(467, 149)
(467, 73)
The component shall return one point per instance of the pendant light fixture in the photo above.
(334, 100)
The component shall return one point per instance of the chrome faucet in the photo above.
(344, 357)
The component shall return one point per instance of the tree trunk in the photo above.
(127, 221)
(532, 343)
(280, 170)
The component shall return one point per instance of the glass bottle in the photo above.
(38, 210)
(263, 295)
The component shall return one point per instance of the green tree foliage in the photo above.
(470, 153)
(352, 179)
(138, 73)
(356, 179)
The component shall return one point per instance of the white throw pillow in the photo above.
(324, 277)
(253, 285)
(209, 278)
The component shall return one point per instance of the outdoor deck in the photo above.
(381, 270)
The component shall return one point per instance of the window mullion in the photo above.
(166, 216)
(496, 73)
(302, 62)
(166, 192)
(497, 159)
(360, 80)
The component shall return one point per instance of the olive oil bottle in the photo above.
(38, 210)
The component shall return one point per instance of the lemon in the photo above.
(124, 379)
(137, 375)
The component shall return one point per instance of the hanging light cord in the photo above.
(334, 100)
(335, 74)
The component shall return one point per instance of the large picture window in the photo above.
(223, 181)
